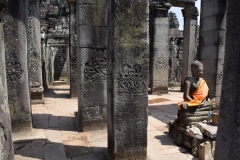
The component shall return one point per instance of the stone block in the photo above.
(207, 26)
(212, 8)
(93, 94)
(210, 66)
(196, 133)
(211, 37)
(93, 15)
(127, 79)
(92, 37)
(208, 129)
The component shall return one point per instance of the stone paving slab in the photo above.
(55, 136)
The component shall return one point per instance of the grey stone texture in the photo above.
(34, 51)
(55, 37)
(6, 147)
(15, 36)
(190, 14)
(128, 63)
(176, 51)
(227, 143)
(212, 44)
(92, 64)
(73, 49)
(159, 47)
(208, 129)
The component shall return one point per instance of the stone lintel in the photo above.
(182, 3)
(161, 8)
(190, 12)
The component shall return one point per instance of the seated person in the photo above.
(195, 88)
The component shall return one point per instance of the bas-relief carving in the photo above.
(94, 112)
(130, 79)
(96, 69)
(61, 29)
(14, 72)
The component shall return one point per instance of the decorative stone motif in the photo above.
(14, 72)
(96, 69)
(130, 80)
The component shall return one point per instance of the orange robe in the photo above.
(198, 96)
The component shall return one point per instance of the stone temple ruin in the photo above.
(113, 54)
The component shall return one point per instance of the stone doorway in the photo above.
(59, 68)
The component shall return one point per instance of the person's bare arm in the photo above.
(187, 89)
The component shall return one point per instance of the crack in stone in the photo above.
(1, 126)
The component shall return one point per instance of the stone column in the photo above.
(160, 49)
(228, 141)
(92, 64)
(34, 52)
(128, 63)
(173, 63)
(73, 49)
(6, 146)
(190, 15)
(212, 44)
(15, 37)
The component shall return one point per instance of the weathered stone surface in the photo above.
(190, 15)
(6, 147)
(34, 49)
(127, 79)
(15, 29)
(195, 133)
(195, 146)
(92, 65)
(211, 44)
(55, 39)
(159, 48)
(182, 113)
(208, 129)
(191, 120)
(73, 50)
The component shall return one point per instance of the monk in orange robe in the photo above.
(195, 88)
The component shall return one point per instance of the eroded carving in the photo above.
(130, 80)
(96, 69)
(94, 112)
(14, 71)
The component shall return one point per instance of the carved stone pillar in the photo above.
(92, 64)
(6, 146)
(190, 15)
(212, 44)
(73, 49)
(34, 52)
(173, 63)
(159, 48)
(15, 37)
(228, 141)
(128, 63)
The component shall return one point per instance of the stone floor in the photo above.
(55, 136)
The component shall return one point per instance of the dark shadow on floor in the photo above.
(50, 93)
(48, 121)
(164, 112)
(172, 90)
(47, 150)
